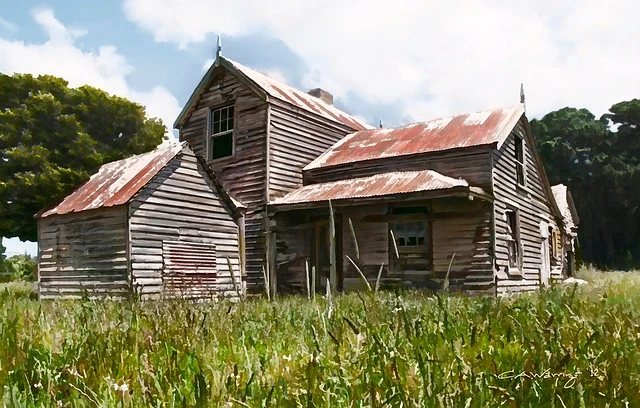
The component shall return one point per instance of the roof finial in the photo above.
(219, 49)
(522, 96)
(381, 123)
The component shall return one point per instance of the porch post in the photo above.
(333, 275)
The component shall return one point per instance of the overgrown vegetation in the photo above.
(565, 346)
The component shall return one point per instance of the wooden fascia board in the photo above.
(460, 191)
(545, 180)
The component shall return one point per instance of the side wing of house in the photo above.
(181, 232)
(296, 138)
(526, 219)
(83, 254)
(243, 172)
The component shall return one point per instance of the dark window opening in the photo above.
(519, 161)
(412, 243)
(221, 132)
(513, 238)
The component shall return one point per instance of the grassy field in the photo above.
(567, 346)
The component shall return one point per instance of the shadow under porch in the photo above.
(427, 233)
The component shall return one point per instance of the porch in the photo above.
(409, 238)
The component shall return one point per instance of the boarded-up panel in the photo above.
(83, 254)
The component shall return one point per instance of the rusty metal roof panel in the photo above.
(466, 130)
(284, 92)
(117, 182)
(383, 184)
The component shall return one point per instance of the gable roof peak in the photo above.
(271, 88)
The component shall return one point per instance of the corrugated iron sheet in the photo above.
(298, 98)
(398, 182)
(117, 182)
(474, 129)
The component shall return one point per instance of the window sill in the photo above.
(219, 159)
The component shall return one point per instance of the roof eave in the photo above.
(457, 191)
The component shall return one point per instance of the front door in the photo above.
(321, 253)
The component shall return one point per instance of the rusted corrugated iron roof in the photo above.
(274, 89)
(473, 129)
(383, 184)
(117, 182)
(284, 92)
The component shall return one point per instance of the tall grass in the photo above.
(565, 346)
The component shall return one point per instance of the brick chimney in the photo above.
(323, 95)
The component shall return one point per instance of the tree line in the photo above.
(599, 160)
(53, 137)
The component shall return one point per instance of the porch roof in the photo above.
(378, 185)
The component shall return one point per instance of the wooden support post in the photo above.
(242, 249)
(333, 275)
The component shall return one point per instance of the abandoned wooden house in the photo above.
(465, 195)
(156, 224)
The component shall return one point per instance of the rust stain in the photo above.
(117, 182)
(300, 99)
(474, 129)
(383, 184)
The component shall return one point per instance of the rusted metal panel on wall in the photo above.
(189, 269)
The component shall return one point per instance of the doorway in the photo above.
(321, 253)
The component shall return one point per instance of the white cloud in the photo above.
(434, 57)
(104, 68)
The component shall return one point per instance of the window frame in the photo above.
(409, 215)
(520, 162)
(210, 136)
(514, 238)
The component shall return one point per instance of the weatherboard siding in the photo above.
(83, 254)
(181, 210)
(533, 207)
(297, 137)
(243, 175)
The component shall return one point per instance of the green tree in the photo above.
(599, 161)
(53, 137)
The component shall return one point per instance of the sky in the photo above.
(401, 62)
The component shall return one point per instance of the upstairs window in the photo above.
(519, 161)
(220, 137)
(513, 239)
